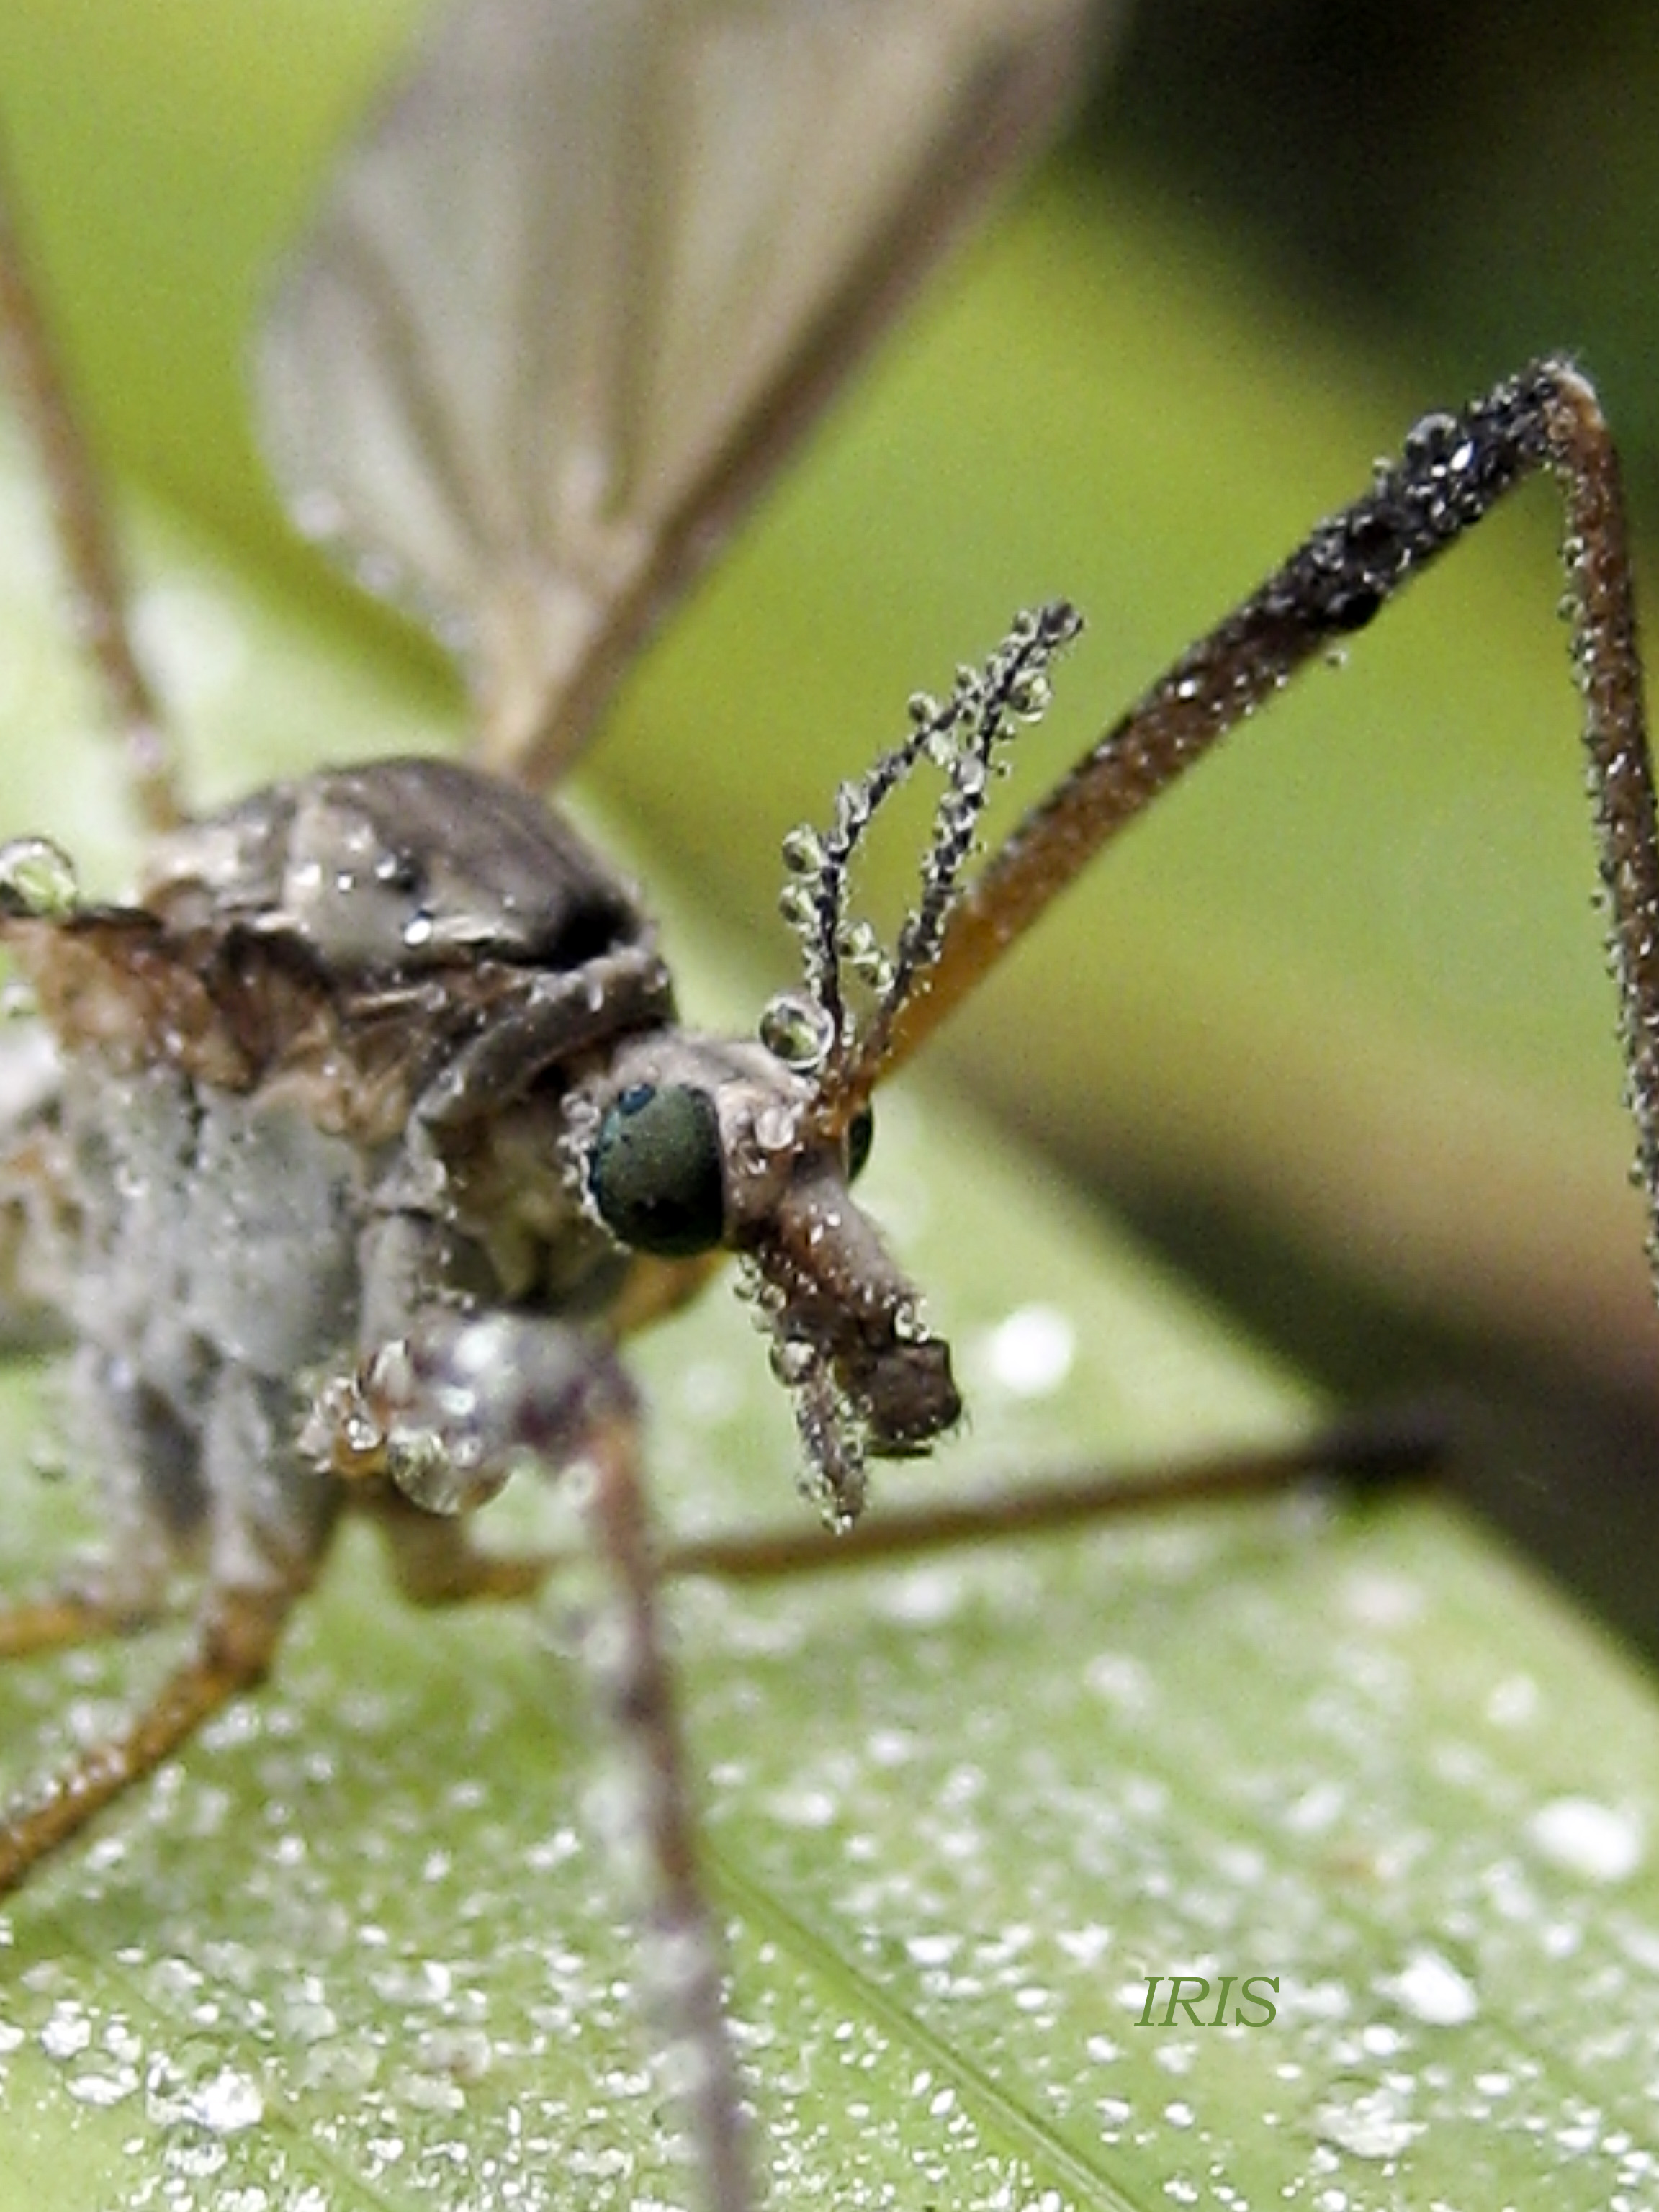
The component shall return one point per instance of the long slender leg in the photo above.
(240, 1632)
(1453, 471)
(31, 369)
(1362, 1455)
(436, 1564)
(67, 1616)
(476, 1396)
(682, 1952)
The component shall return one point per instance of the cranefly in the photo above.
(349, 1150)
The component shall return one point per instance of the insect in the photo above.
(363, 1134)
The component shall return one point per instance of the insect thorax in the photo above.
(312, 1081)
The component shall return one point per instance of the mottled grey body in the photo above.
(375, 988)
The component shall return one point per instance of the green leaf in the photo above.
(358, 1946)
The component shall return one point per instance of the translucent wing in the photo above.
(594, 268)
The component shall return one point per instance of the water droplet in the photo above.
(1031, 1352)
(798, 1030)
(1512, 1702)
(852, 808)
(1316, 1808)
(861, 948)
(792, 1361)
(1367, 2119)
(1430, 1989)
(797, 905)
(67, 2033)
(37, 880)
(229, 2102)
(777, 1127)
(1031, 696)
(1597, 1841)
(909, 1322)
(317, 513)
(217, 2098)
(436, 1476)
(803, 851)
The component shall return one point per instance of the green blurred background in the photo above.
(1332, 1026)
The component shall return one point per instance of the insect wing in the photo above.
(593, 269)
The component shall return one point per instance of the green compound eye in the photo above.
(860, 1135)
(656, 1170)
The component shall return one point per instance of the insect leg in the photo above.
(67, 1616)
(1453, 470)
(219, 1494)
(1363, 1457)
(485, 1393)
(30, 369)
(436, 1564)
(682, 1963)
(238, 1633)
